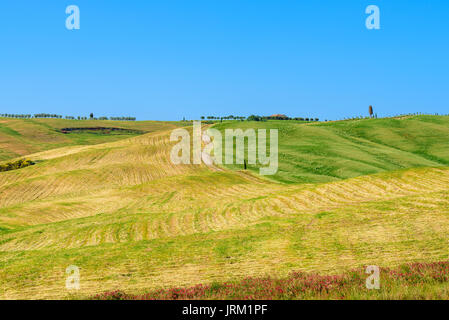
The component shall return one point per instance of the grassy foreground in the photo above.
(133, 221)
(409, 281)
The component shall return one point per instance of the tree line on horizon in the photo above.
(256, 118)
(58, 116)
(278, 117)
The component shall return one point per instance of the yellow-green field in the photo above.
(19, 137)
(347, 194)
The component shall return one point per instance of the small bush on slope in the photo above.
(16, 165)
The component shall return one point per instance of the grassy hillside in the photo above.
(331, 151)
(131, 220)
(20, 137)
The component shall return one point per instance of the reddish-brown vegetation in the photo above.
(300, 285)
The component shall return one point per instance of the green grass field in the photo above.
(347, 194)
(331, 151)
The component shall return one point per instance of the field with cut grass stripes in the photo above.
(21, 137)
(348, 194)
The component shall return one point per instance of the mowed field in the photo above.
(347, 194)
(20, 137)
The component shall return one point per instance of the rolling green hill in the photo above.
(331, 151)
(376, 194)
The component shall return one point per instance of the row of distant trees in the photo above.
(57, 116)
(122, 118)
(374, 116)
(256, 118)
(231, 117)
(262, 118)
(28, 116)
(20, 116)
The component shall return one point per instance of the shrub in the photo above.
(22, 163)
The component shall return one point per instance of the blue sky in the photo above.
(166, 60)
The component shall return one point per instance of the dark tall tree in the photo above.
(371, 112)
(91, 115)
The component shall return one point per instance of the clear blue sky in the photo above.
(168, 59)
